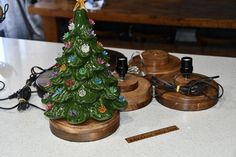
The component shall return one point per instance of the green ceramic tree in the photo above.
(82, 86)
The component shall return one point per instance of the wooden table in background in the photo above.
(180, 13)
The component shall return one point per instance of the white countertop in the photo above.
(207, 133)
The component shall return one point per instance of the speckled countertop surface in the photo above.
(206, 133)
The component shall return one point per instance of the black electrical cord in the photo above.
(35, 72)
(22, 107)
(193, 88)
(2, 85)
(24, 94)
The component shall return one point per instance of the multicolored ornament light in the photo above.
(71, 26)
(102, 109)
(66, 35)
(63, 68)
(72, 113)
(82, 71)
(69, 82)
(98, 81)
(82, 93)
(68, 45)
(71, 59)
(85, 48)
(121, 98)
(91, 21)
(104, 53)
(49, 107)
(58, 91)
(100, 61)
(99, 44)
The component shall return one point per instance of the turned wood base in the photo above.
(136, 90)
(182, 102)
(157, 63)
(89, 131)
(186, 103)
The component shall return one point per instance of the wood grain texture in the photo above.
(151, 134)
(91, 130)
(138, 97)
(157, 63)
(185, 13)
(51, 32)
(129, 84)
(182, 102)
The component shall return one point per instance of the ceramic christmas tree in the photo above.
(82, 92)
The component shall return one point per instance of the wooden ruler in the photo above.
(151, 134)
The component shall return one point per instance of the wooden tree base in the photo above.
(182, 102)
(136, 90)
(89, 131)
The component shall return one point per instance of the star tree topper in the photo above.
(80, 4)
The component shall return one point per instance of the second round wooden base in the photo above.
(182, 102)
(186, 103)
(89, 131)
(136, 90)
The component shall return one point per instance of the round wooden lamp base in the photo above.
(89, 131)
(136, 90)
(156, 63)
(182, 102)
(186, 103)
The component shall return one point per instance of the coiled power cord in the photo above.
(23, 95)
(193, 88)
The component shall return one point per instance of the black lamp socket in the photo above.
(121, 67)
(186, 66)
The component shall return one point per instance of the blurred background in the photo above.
(19, 23)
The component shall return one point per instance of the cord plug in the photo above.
(14, 95)
(24, 93)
